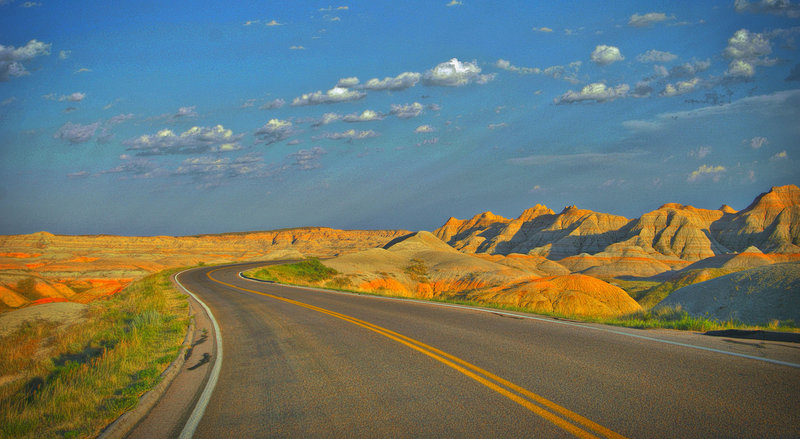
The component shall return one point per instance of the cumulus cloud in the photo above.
(713, 172)
(307, 159)
(758, 142)
(273, 104)
(400, 82)
(349, 135)
(196, 140)
(567, 73)
(11, 58)
(327, 118)
(648, 19)
(64, 54)
(348, 82)
(74, 97)
(76, 133)
(334, 95)
(424, 129)
(454, 73)
(407, 111)
(604, 55)
(680, 87)
(656, 56)
(365, 116)
(746, 50)
(597, 92)
(274, 131)
(778, 7)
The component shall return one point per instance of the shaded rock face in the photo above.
(754, 296)
(668, 238)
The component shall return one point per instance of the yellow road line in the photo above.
(464, 367)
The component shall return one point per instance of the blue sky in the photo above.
(147, 118)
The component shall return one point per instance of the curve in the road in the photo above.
(202, 402)
(560, 416)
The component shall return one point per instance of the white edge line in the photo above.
(202, 403)
(542, 319)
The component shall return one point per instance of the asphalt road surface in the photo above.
(307, 363)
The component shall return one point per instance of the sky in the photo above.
(181, 118)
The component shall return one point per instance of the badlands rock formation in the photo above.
(754, 296)
(43, 267)
(670, 238)
(421, 265)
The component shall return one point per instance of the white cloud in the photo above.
(680, 87)
(604, 55)
(348, 82)
(334, 95)
(407, 111)
(656, 56)
(183, 113)
(295, 47)
(454, 3)
(424, 129)
(648, 19)
(365, 116)
(273, 23)
(454, 73)
(701, 152)
(11, 58)
(327, 118)
(542, 29)
(494, 126)
(778, 7)
(400, 82)
(273, 104)
(74, 97)
(568, 73)
(64, 54)
(30, 5)
(349, 135)
(746, 50)
(274, 131)
(758, 142)
(713, 172)
(597, 91)
(192, 141)
(76, 133)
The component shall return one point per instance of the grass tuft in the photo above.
(73, 381)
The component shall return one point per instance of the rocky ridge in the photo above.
(666, 239)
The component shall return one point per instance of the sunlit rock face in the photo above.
(41, 266)
(668, 238)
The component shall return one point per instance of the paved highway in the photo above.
(304, 363)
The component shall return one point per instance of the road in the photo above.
(305, 363)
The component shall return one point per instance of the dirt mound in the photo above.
(573, 294)
(754, 296)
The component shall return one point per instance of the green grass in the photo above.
(666, 318)
(72, 382)
(311, 271)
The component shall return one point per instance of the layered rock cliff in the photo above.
(668, 238)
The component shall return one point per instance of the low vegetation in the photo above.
(72, 381)
(313, 273)
(310, 272)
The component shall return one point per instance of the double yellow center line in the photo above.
(560, 416)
